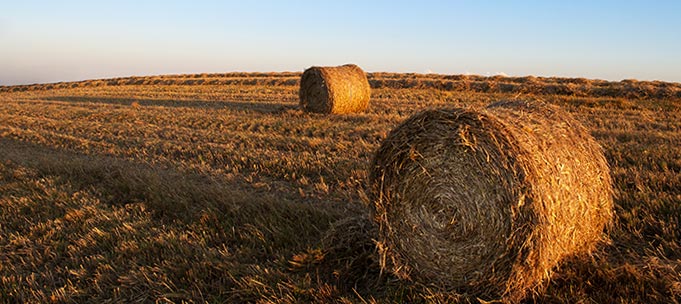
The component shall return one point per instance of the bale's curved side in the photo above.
(341, 89)
(488, 202)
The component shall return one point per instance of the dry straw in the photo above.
(487, 202)
(342, 89)
(349, 248)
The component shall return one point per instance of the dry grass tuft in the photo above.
(488, 202)
(350, 246)
(338, 90)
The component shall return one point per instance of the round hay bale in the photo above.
(487, 202)
(338, 90)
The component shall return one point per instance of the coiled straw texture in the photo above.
(487, 202)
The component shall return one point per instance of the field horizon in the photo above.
(548, 85)
(217, 187)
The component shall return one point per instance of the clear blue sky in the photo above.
(49, 41)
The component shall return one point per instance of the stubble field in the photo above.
(218, 188)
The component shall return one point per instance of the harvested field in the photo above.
(219, 188)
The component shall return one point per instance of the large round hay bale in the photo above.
(487, 202)
(342, 89)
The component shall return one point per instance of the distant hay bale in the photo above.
(338, 90)
(488, 202)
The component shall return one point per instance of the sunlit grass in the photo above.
(217, 188)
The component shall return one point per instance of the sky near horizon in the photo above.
(52, 41)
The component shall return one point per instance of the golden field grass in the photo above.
(218, 188)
